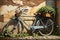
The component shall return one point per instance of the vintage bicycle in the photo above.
(43, 26)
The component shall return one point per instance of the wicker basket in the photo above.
(46, 15)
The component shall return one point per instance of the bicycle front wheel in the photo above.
(13, 27)
(47, 25)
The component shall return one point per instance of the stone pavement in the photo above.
(34, 38)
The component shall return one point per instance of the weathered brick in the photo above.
(58, 14)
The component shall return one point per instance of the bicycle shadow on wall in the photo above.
(14, 26)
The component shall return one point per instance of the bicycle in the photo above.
(43, 26)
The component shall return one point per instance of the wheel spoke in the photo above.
(48, 27)
(50, 24)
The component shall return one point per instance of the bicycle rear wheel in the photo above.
(48, 26)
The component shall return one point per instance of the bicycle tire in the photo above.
(40, 32)
(14, 25)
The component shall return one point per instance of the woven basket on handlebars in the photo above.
(46, 15)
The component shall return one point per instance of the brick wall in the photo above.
(8, 15)
(58, 14)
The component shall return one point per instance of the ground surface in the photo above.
(35, 38)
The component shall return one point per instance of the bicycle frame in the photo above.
(31, 26)
(23, 21)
